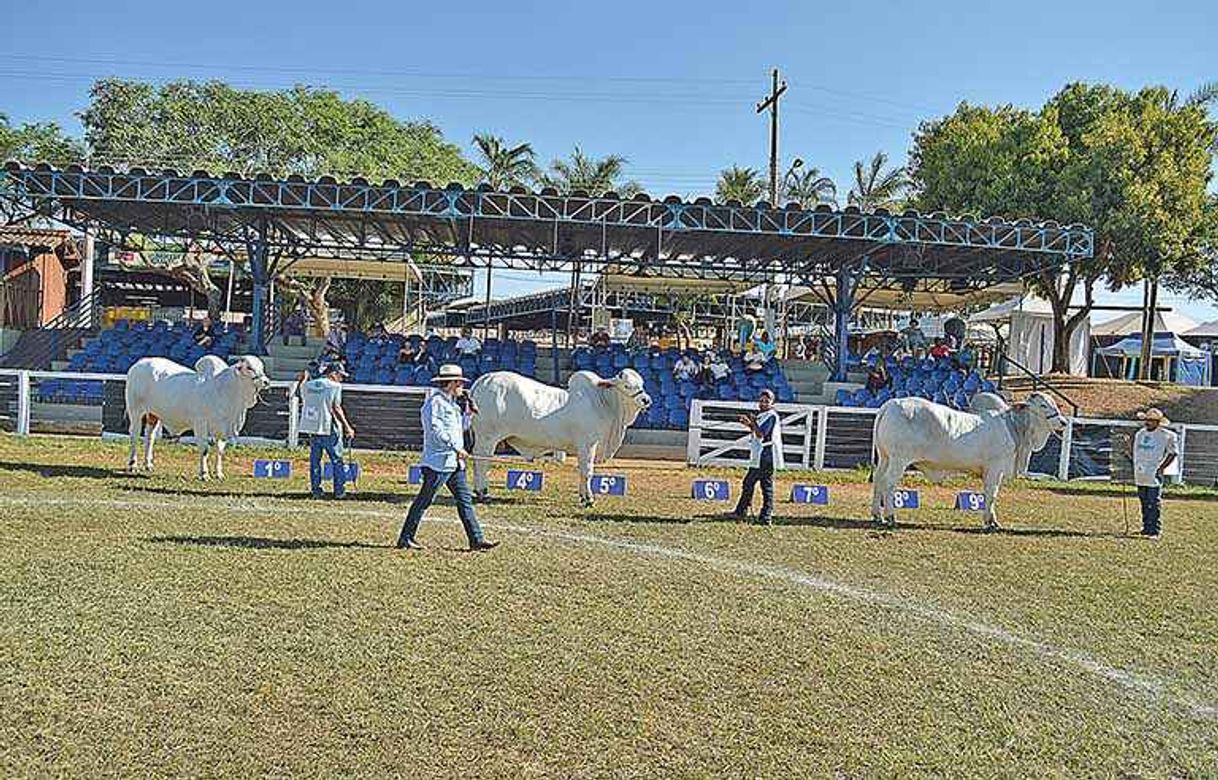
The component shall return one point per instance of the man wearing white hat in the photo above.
(1154, 450)
(443, 461)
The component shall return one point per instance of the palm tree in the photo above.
(502, 166)
(808, 187)
(875, 187)
(587, 174)
(742, 184)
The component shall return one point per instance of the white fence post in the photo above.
(23, 403)
(693, 441)
(822, 436)
(1178, 477)
(293, 420)
(1063, 459)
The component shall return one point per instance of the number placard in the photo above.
(525, 480)
(608, 484)
(711, 490)
(810, 494)
(969, 501)
(272, 469)
(414, 475)
(351, 471)
(906, 499)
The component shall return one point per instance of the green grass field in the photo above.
(161, 626)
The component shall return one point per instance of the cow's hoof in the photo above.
(991, 527)
(890, 522)
(586, 503)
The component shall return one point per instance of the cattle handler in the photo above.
(444, 459)
(1154, 450)
(766, 447)
(321, 415)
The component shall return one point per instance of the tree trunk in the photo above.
(1151, 302)
(319, 309)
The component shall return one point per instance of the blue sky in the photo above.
(671, 86)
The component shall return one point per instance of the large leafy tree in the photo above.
(1133, 166)
(740, 184)
(34, 142)
(503, 166)
(312, 132)
(582, 173)
(876, 186)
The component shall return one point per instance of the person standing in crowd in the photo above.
(765, 346)
(685, 369)
(766, 447)
(444, 460)
(322, 417)
(468, 345)
(877, 376)
(336, 339)
(1154, 450)
(716, 368)
(640, 338)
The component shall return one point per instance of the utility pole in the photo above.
(771, 102)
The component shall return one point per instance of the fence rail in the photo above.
(837, 437)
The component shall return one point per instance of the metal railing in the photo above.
(1038, 382)
(50, 341)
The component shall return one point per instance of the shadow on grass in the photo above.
(351, 497)
(263, 543)
(1131, 493)
(69, 470)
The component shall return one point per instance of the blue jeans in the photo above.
(329, 445)
(1151, 509)
(432, 480)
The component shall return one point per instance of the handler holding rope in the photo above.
(444, 459)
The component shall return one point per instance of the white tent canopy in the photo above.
(1131, 323)
(1204, 330)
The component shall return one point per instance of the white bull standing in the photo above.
(588, 419)
(996, 443)
(211, 401)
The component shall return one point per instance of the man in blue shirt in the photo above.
(766, 447)
(443, 462)
(321, 415)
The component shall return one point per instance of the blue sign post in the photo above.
(905, 499)
(272, 469)
(969, 501)
(711, 490)
(810, 494)
(608, 484)
(352, 471)
(524, 480)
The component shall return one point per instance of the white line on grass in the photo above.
(1147, 685)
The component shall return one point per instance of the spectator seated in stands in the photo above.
(407, 354)
(640, 339)
(914, 339)
(468, 345)
(206, 335)
(765, 345)
(336, 340)
(754, 360)
(599, 340)
(379, 334)
(717, 369)
(798, 350)
(423, 357)
(294, 324)
(941, 349)
(686, 369)
(878, 377)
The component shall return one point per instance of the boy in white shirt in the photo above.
(1154, 450)
(468, 345)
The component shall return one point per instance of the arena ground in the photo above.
(156, 625)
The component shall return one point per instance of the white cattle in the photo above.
(211, 401)
(588, 419)
(996, 442)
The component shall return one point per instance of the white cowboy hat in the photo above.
(1154, 413)
(449, 372)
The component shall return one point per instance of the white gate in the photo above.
(718, 438)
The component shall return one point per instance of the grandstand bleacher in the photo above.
(672, 398)
(936, 379)
(116, 349)
(375, 361)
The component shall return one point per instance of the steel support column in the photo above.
(843, 303)
(258, 270)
